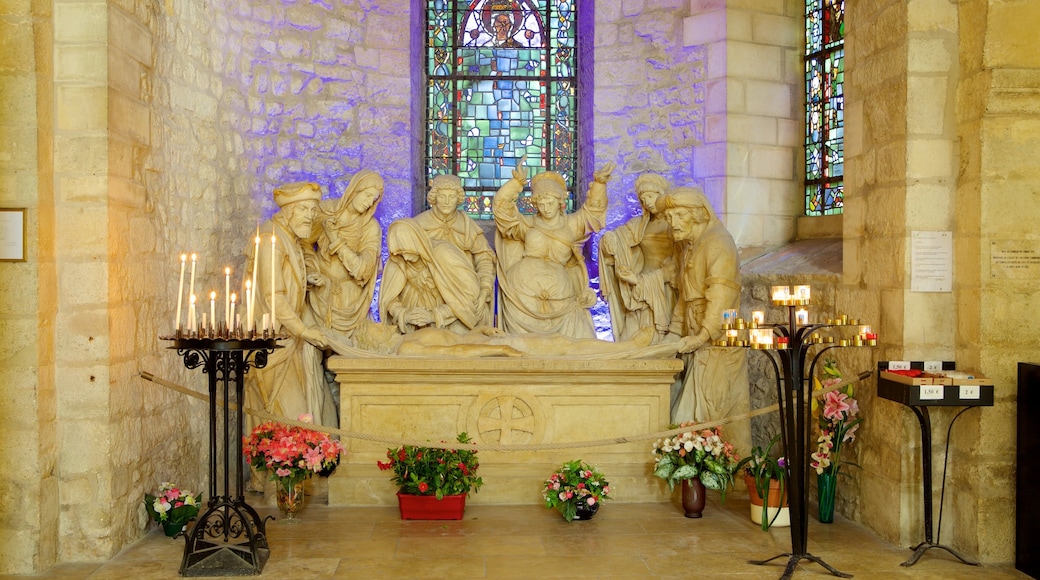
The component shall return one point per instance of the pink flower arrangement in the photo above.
(575, 483)
(837, 421)
(291, 454)
(172, 504)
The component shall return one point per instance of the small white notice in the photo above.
(968, 392)
(932, 366)
(898, 365)
(931, 262)
(931, 392)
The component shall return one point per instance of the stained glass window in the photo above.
(501, 84)
(824, 106)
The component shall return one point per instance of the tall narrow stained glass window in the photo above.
(501, 84)
(824, 107)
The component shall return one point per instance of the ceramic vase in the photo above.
(693, 497)
(584, 511)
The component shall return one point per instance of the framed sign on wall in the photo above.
(12, 234)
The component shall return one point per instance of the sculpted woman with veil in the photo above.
(428, 284)
(349, 245)
(543, 279)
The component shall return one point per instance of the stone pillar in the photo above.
(754, 129)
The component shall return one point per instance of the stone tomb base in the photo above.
(508, 401)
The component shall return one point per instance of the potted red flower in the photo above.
(433, 481)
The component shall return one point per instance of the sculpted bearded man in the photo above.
(293, 381)
(715, 382)
(441, 269)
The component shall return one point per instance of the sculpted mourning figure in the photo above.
(349, 243)
(715, 383)
(441, 269)
(542, 276)
(293, 381)
(637, 267)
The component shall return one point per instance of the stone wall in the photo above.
(27, 294)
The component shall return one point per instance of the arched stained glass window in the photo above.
(501, 84)
(824, 107)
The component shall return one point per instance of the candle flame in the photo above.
(212, 295)
(184, 257)
(194, 257)
(234, 297)
(227, 271)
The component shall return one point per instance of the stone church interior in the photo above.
(877, 152)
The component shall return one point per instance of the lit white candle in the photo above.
(231, 318)
(801, 317)
(801, 292)
(758, 317)
(781, 293)
(227, 297)
(274, 315)
(249, 306)
(191, 288)
(212, 309)
(180, 294)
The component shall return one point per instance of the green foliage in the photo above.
(434, 471)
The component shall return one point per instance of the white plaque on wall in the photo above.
(931, 262)
(12, 235)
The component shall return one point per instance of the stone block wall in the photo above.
(749, 161)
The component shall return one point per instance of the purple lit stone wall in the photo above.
(316, 91)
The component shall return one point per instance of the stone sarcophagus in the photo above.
(541, 405)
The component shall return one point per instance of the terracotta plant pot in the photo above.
(775, 514)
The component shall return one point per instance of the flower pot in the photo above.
(693, 497)
(774, 492)
(173, 530)
(428, 507)
(826, 488)
(777, 513)
(584, 511)
(289, 497)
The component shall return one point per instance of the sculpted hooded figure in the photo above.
(428, 283)
(349, 243)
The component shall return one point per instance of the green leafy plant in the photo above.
(432, 470)
(764, 468)
(693, 454)
(572, 484)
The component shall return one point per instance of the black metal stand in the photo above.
(796, 430)
(909, 395)
(230, 538)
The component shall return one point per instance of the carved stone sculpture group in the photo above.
(667, 275)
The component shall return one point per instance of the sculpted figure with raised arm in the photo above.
(542, 276)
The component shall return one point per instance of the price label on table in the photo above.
(931, 392)
(932, 366)
(969, 391)
(898, 365)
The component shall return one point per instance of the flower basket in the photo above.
(428, 507)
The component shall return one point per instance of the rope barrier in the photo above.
(397, 442)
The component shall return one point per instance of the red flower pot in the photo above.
(428, 507)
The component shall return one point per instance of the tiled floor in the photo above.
(622, 541)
